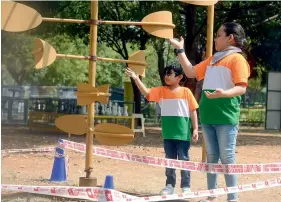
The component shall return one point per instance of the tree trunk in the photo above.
(161, 64)
(190, 45)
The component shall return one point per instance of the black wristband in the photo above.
(181, 50)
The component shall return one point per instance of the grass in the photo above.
(252, 115)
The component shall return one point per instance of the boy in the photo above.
(178, 106)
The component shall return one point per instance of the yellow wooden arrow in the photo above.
(72, 124)
(105, 133)
(16, 17)
(113, 134)
(45, 55)
(87, 94)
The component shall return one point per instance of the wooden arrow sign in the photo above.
(163, 24)
(105, 133)
(113, 134)
(73, 124)
(139, 69)
(16, 17)
(87, 94)
(44, 54)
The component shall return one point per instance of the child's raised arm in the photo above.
(185, 63)
(139, 83)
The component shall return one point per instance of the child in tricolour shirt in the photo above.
(178, 114)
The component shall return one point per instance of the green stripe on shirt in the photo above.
(176, 127)
(219, 110)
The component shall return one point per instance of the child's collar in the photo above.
(221, 54)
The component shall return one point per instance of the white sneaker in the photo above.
(168, 190)
(185, 190)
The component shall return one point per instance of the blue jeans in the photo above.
(177, 149)
(220, 141)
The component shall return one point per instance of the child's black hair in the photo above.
(178, 71)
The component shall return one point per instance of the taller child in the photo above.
(225, 77)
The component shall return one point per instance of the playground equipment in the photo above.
(45, 55)
(17, 18)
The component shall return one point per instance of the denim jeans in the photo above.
(220, 141)
(177, 149)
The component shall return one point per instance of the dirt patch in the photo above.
(35, 168)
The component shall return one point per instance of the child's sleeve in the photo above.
(192, 103)
(240, 70)
(154, 94)
(200, 69)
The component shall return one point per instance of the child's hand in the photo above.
(178, 44)
(131, 74)
(218, 93)
(195, 135)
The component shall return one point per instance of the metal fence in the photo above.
(16, 101)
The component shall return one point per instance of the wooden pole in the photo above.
(88, 181)
(66, 20)
(121, 61)
(108, 22)
(137, 23)
(100, 58)
(210, 30)
(209, 52)
(80, 57)
(92, 81)
(92, 94)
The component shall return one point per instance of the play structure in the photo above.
(17, 17)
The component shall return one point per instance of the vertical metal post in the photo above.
(88, 180)
(209, 52)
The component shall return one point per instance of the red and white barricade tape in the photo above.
(177, 164)
(162, 162)
(67, 165)
(100, 194)
(45, 149)
(88, 193)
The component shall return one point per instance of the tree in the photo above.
(68, 72)
(18, 63)
(262, 23)
(16, 58)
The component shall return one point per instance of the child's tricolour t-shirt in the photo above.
(225, 74)
(175, 111)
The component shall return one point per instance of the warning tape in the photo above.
(101, 194)
(67, 165)
(177, 164)
(45, 149)
(89, 193)
(162, 162)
